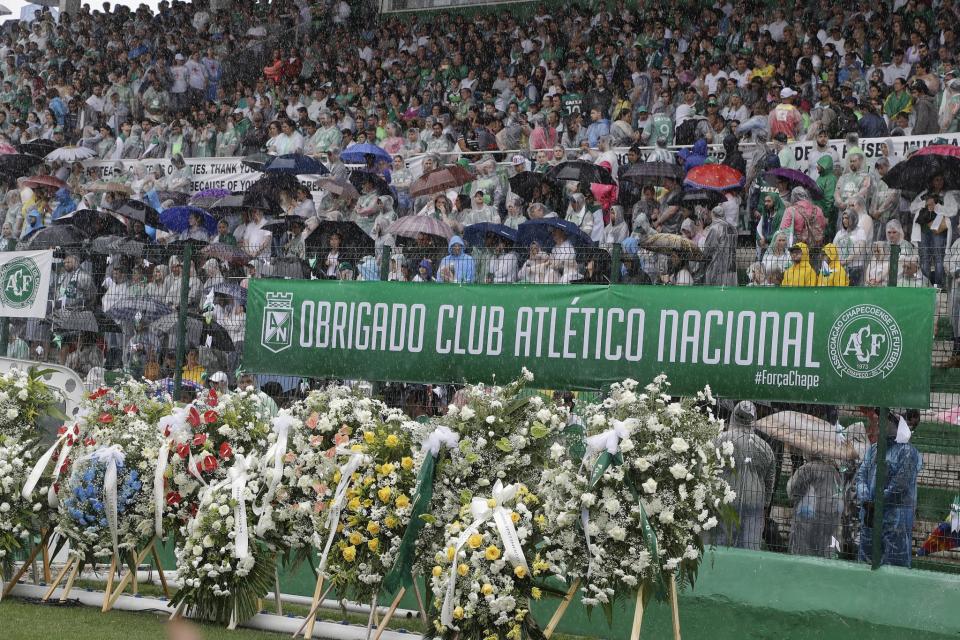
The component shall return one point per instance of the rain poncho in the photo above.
(816, 492)
(777, 257)
(65, 204)
(803, 219)
(457, 268)
(832, 274)
(752, 478)
(854, 188)
(720, 251)
(800, 274)
(899, 500)
(770, 220)
(827, 182)
(851, 243)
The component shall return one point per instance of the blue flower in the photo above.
(133, 476)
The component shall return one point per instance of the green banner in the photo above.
(830, 345)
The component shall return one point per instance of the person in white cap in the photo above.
(519, 164)
(785, 118)
(219, 382)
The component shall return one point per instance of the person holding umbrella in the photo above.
(367, 207)
(934, 218)
(195, 229)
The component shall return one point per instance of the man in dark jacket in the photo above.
(871, 124)
(925, 110)
(732, 156)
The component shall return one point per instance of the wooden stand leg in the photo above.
(55, 583)
(416, 592)
(386, 618)
(307, 627)
(108, 589)
(313, 613)
(558, 614)
(178, 612)
(373, 613)
(159, 566)
(276, 591)
(125, 580)
(637, 616)
(46, 563)
(42, 545)
(675, 606)
(133, 571)
(69, 586)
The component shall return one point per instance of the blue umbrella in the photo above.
(476, 233)
(356, 154)
(541, 232)
(296, 164)
(177, 219)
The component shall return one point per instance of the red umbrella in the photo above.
(939, 150)
(44, 182)
(449, 177)
(714, 177)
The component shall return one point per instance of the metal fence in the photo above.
(177, 315)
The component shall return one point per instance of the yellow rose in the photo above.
(356, 538)
(536, 593)
(520, 572)
(402, 502)
(451, 552)
(486, 589)
(392, 440)
(475, 541)
(336, 475)
(373, 527)
(357, 448)
(515, 517)
(391, 521)
(384, 494)
(458, 612)
(463, 570)
(406, 463)
(492, 553)
(369, 437)
(349, 553)
(491, 503)
(437, 571)
(373, 545)
(367, 481)
(387, 469)
(354, 504)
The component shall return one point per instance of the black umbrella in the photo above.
(52, 237)
(178, 198)
(914, 173)
(141, 212)
(527, 183)
(586, 173)
(271, 184)
(91, 222)
(214, 336)
(18, 164)
(262, 201)
(256, 160)
(702, 197)
(652, 173)
(227, 205)
(76, 321)
(358, 178)
(351, 237)
(166, 326)
(38, 147)
(285, 268)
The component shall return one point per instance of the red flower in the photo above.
(183, 450)
(193, 509)
(209, 463)
(225, 451)
(64, 466)
(70, 441)
(56, 487)
(166, 431)
(106, 418)
(193, 417)
(131, 408)
(210, 416)
(99, 393)
(62, 430)
(199, 439)
(174, 498)
(212, 398)
(89, 442)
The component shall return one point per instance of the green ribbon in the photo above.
(401, 574)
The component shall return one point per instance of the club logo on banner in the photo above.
(21, 283)
(865, 342)
(277, 332)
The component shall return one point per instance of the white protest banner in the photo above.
(25, 283)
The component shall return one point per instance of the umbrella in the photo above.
(357, 153)
(351, 236)
(104, 186)
(225, 253)
(652, 173)
(938, 150)
(262, 201)
(526, 183)
(285, 268)
(271, 184)
(808, 434)
(214, 336)
(278, 227)
(139, 211)
(167, 326)
(143, 309)
(92, 223)
(438, 180)
(359, 177)
(586, 173)
(702, 196)
(208, 197)
(795, 179)
(18, 164)
(44, 182)
(227, 205)
(176, 197)
(295, 164)
(75, 321)
(475, 234)
(671, 243)
(256, 160)
(53, 237)
(233, 290)
(714, 177)
(177, 219)
(7, 149)
(70, 154)
(541, 232)
(38, 147)
(339, 187)
(914, 173)
(413, 226)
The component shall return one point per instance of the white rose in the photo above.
(679, 445)
(556, 451)
(543, 415)
(4, 507)
(666, 517)
(641, 464)
(727, 448)
(197, 550)
(611, 506)
(618, 533)
(626, 445)
(12, 414)
(467, 413)
(678, 471)
(709, 524)
(23, 394)
(207, 541)
(224, 510)
(674, 410)
(491, 419)
(527, 374)
(588, 499)
(650, 486)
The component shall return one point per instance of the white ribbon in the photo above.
(281, 426)
(955, 515)
(481, 512)
(179, 433)
(336, 505)
(441, 436)
(238, 484)
(903, 431)
(41, 466)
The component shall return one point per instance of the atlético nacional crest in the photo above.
(277, 332)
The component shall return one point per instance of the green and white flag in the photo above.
(25, 283)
